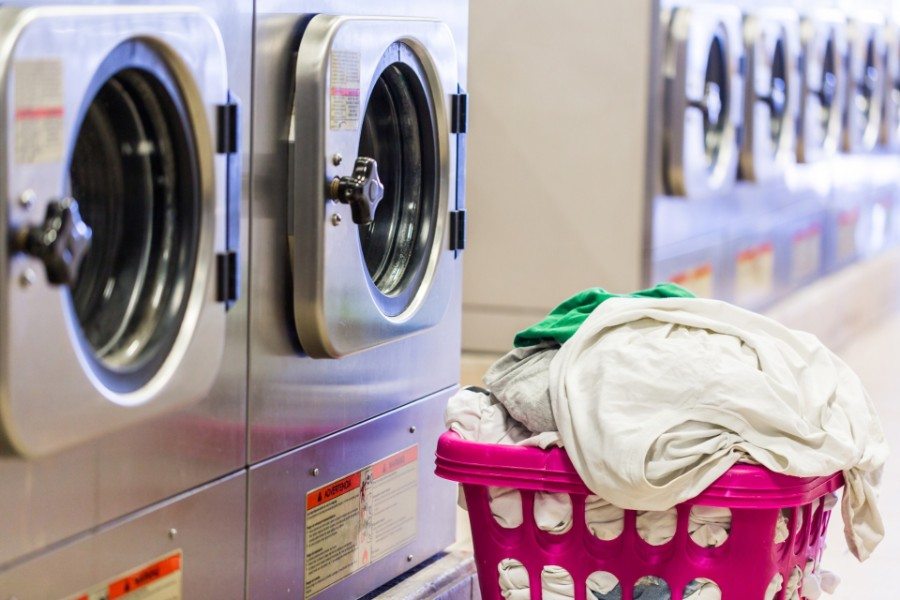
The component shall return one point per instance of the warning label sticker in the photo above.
(159, 579)
(359, 518)
(846, 234)
(755, 272)
(806, 252)
(698, 280)
(38, 129)
(343, 92)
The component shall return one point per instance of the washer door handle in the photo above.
(60, 242)
(362, 190)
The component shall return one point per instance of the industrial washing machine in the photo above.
(357, 229)
(762, 203)
(819, 129)
(858, 172)
(123, 398)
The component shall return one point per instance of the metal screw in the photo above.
(27, 278)
(412, 428)
(409, 558)
(172, 533)
(337, 159)
(27, 198)
(336, 219)
(314, 471)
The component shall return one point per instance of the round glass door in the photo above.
(778, 96)
(134, 174)
(399, 132)
(865, 98)
(715, 102)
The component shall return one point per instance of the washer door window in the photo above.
(865, 93)
(134, 174)
(821, 102)
(115, 218)
(699, 153)
(770, 94)
(399, 134)
(372, 181)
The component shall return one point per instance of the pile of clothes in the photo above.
(655, 395)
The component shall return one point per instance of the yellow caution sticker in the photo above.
(159, 579)
(353, 521)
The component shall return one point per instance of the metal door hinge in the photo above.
(457, 230)
(227, 277)
(227, 116)
(459, 113)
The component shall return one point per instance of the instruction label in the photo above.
(846, 234)
(343, 92)
(806, 253)
(38, 118)
(159, 579)
(755, 272)
(359, 518)
(698, 280)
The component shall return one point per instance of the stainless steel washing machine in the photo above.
(820, 121)
(762, 200)
(121, 314)
(857, 170)
(357, 230)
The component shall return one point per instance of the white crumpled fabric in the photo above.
(654, 399)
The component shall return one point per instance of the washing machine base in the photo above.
(190, 546)
(341, 516)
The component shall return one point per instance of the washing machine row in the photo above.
(750, 153)
(231, 302)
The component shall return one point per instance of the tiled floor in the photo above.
(874, 355)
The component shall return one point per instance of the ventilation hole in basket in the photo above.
(657, 527)
(709, 526)
(650, 586)
(774, 587)
(553, 512)
(506, 506)
(816, 526)
(556, 582)
(782, 525)
(702, 588)
(800, 540)
(602, 585)
(794, 582)
(603, 520)
(513, 579)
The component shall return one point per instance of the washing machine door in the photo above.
(771, 89)
(890, 120)
(701, 99)
(115, 219)
(373, 181)
(865, 86)
(821, 103)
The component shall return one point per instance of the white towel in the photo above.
(656, 398)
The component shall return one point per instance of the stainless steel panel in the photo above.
(293, 398)
(47, 500)
(277, 501)
(207, 525)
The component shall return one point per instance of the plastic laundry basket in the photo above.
(742, 567)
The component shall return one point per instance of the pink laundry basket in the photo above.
(742, 567)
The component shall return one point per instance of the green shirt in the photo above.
(565, 319)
